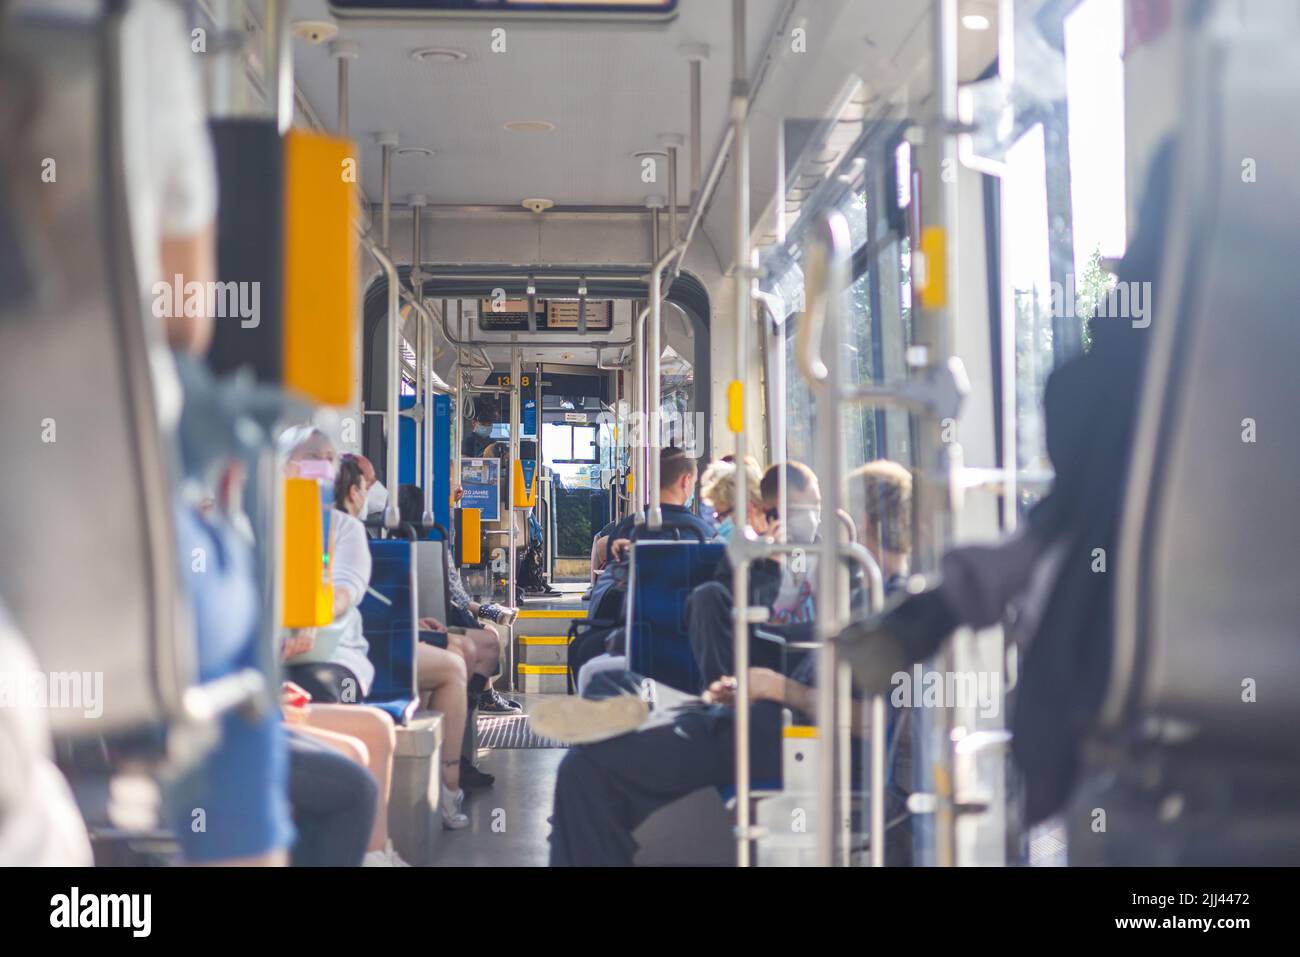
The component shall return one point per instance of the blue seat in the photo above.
(389, 624)
(661, 577)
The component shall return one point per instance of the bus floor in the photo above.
(508, 821)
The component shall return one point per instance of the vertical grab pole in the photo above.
(735, 417)
(426, 355)
(516, 370)
(392, 517)
(277, 59)
(417, 313)
(638, 458)
(654, 514)
(827, 273)
(944, 57)
(458, 390)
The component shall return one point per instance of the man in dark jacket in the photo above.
(1090, 408)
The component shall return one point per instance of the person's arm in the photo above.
(350, 564)
(194, 257)
(298, 642)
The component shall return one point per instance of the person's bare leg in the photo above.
(375, 730)
(486, 650)
(443, 673)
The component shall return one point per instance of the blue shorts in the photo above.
(236, 803)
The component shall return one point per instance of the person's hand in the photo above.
(722, 691)
(294, 702)
(618, 549)
(431, 624)
(766, 685)
(457, 495)
(298, 642)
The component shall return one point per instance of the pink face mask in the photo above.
(318, 469)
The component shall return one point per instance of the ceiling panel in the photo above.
(609, 92)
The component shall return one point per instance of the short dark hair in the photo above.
(673, 464)
(798, 477)
(486, 409)
(410, 503)
(346, 477)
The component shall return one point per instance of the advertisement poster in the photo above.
(481, 480)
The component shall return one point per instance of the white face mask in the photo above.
(376, 498)
(802, 524)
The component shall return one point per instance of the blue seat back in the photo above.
(662, 576)
(389, 625)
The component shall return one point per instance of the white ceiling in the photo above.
(609, 91)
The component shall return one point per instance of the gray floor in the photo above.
(508, 820)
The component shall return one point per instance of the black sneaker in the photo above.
(492, 701)
(472, 778)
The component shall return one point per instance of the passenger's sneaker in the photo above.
(453, 818)
(582, 721)
(472, 778)
(388, 857)
(492, 701)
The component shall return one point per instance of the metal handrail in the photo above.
(654, 514)
(391, 516)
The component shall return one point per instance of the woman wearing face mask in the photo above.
(333, 665)
(718, 491)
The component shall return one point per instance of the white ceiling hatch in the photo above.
(607, 92)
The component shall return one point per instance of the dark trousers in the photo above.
(605, 790)
(708, 616)
(333, 801)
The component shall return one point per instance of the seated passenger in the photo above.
(718, 491)
(677, 474)
(636, 761)
(333, 665)
(783, 585)
(334, 800)
(365, 735)
(480, 647)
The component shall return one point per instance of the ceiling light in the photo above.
(314, 31)
(539, 206)
(438, 55)
(529, 126)
(975, 21)
(413, 151)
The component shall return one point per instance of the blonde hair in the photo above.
(718, 485)
(879, 494)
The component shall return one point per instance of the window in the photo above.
(1094, 71)
(859, 357)
(1029, 271)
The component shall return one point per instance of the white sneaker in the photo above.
(388, 857)
(394, 856)
(453, 818)
(572, 720)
